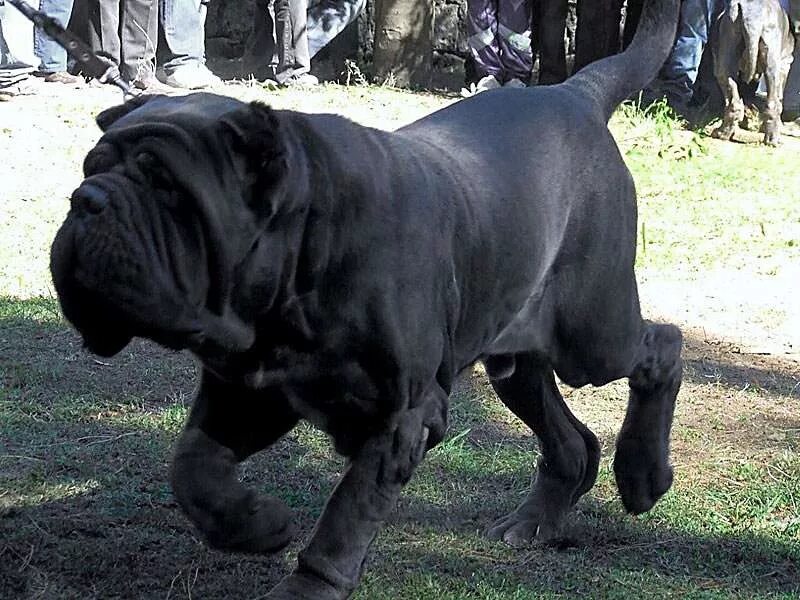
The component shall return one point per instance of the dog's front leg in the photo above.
(641, 461)
(227, 424)
(330, 566)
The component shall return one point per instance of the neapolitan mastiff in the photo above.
(750, 39)
(326, 271)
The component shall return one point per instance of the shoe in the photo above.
(149, 84)
(489, 82)
(484, 84)
(515, 83)
(302, 80)
(193, 76)
(61, 77)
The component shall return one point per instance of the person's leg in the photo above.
(514, 39)
(552, 21)
(183, 24)
(302, 61)
(482, 38)
(14, 74)
(794, 16)
(52, 56)
(104, 28)
(327, 19)
(139, 36)
(294, 63)
(260, 51)
(283, 40)
(679, 73)
(18, 31)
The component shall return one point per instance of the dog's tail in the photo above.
(613, 79)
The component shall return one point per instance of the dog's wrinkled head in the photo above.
(175, 193)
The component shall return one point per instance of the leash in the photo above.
(101, 68)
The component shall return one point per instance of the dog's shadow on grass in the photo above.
(86, 510)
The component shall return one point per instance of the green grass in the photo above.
(86, 510)
(83, 472)
(738, 205)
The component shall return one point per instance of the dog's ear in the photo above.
(254, 131)
(255, 137)
(111, 115)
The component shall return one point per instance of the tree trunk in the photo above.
(403, 49)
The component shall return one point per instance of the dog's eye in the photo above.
(147, 162)
(152, 168)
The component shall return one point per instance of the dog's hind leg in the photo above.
(641, 462)
(570, 453)
(226, 425)
(734, 110)
(726, 66)
(775, 73)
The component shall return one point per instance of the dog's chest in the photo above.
(326, 388)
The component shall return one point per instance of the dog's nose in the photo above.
(90, 197)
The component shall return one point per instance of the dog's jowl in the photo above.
(329, 272)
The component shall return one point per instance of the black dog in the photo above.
(752, 38)
(326, 271)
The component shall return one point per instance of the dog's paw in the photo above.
(260, 525)
(723, 133)
(302, 586)
(772, 138)
(642, 476)
(525, 525)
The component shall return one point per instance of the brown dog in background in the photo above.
(752, 38)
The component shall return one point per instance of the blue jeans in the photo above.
(680, 71)
(52, 57)
(183, 23)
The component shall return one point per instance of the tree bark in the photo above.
(403, 50)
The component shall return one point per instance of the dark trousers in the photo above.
(286, 39)
(127, 32)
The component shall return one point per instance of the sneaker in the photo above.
(149, 84)
(302, 80)
(61, 77)
(193, 76)
(515, 83)
(489, 82)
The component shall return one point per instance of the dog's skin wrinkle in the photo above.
(357, 272)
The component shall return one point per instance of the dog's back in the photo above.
(543, 186)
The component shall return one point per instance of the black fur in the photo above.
(325, 271)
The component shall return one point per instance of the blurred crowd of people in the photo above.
(287, 34)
